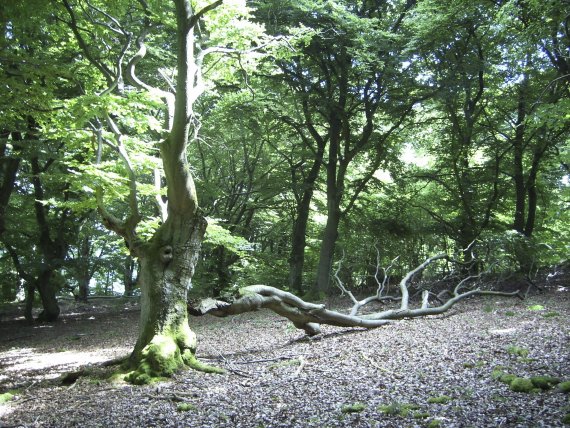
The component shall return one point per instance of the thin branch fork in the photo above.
(125, 228)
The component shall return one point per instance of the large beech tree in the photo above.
(169, 255)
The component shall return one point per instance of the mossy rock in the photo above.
(544, 382)
(521, 384)
(434, 424)
(421, 415)
(564, 387)
(566, 419)
(442, 399)
(353, 408)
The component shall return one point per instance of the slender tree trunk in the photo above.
(29, 302)
(520, 191)
(129, 280)
(326, 255)
(83, 288)
(531, 215)
(8, 169)
(222, 270)
(330, 234)
(53, 251)
(298, 243)
(84, 269)
(518, 151)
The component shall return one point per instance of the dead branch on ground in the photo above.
(308, 316)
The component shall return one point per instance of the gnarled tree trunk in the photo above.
(165, 340)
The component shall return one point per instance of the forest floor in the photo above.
(436, 370)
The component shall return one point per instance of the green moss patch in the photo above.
(551, 314)
(288, 363)
(353, 408)
(477, 364)
(186, 407)
(521, 384)
(564, 387)
(442, 399)
(544, 382)
(398, 409)
(434, 424)
(7, 396)
(502, 376)
(536, 308)
(161, 358)
(566, 419)
(518, 351)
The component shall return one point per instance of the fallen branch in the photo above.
(308, 316)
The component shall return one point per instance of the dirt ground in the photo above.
(276, 377)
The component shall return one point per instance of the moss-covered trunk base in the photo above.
(165, 354)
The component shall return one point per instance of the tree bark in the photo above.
(308, 316)
(326, 255)
(128, 279)
(8, 169)
(29, 302)
(298, 242)
(83, 269)
(47, 291)
(165, 340)
(52, 250)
